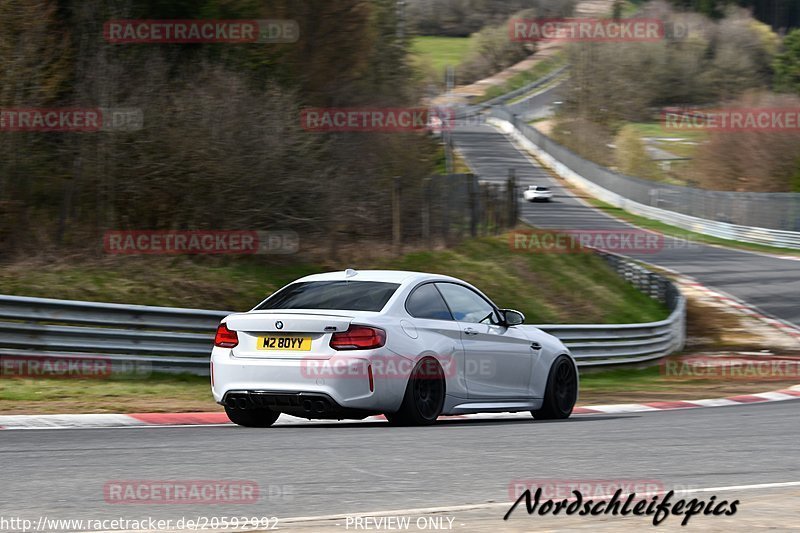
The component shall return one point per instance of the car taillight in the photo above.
(358, 338)
(226, 338)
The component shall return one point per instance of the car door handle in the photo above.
(536, 346)
(470, 331)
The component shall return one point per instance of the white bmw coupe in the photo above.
(409, 345)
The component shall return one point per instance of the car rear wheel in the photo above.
(561, 392)
(424, 397)
(252, 418)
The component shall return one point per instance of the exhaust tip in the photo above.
(241, 403)
(319, 405)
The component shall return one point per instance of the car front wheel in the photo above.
(561, 391)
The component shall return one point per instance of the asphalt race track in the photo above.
(345, 468)
(769, 283)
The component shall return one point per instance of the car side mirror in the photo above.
(512, 317)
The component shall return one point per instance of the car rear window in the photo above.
(344, 295)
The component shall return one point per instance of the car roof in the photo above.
(389, 276)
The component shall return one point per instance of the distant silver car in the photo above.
(409, 345)
(537, 193)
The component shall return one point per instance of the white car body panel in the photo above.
(490, 368)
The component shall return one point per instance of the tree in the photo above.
(35, 62)
(780, 14)
(787, 64)
(221, 122)
(461, 18)
(616, 82)
(759, 160)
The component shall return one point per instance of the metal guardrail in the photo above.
(467, 114)
(503, 98)
(135, 338)
(630, 193)
(140, 339)
(612, 344)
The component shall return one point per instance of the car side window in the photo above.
(426, 302)
(467, 305)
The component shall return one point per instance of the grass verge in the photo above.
(439, 52)
(539, 70)
(628, 385)
(159, 393)
(200, 282)
(548, 288)
(686, 147)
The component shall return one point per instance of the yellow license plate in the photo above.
(295, 344)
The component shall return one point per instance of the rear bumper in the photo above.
(301, 404)
(293, 387)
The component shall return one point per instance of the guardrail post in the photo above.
(511, 190)
(499, 212)
(472, 186)
(488, 206)
(396, 219)
(426, 212)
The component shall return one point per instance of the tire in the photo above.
(424, 397)
(561, 392)
(252, 418)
